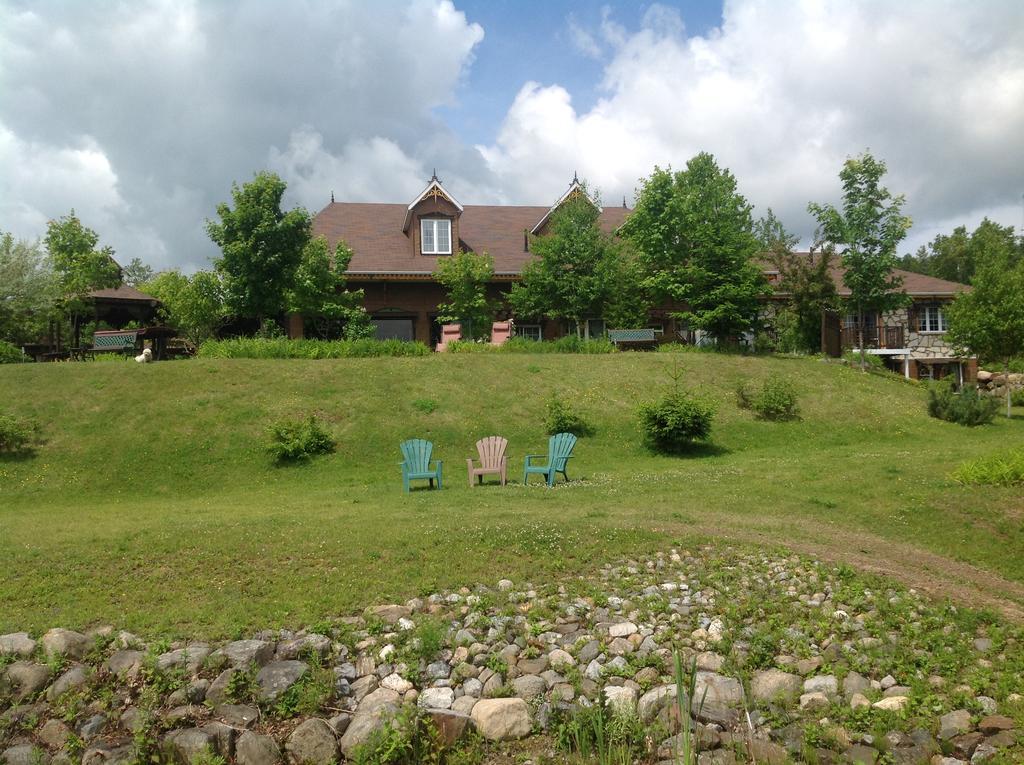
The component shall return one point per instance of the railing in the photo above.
(874, 337)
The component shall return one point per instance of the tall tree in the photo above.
(988, 321)
(865, 233)
(261, 246)
(80, 265)
(318, 289)
(955, 256)
(28, 290)
(465, 277)
(194, 305)
(579, 272)
(136, 272)
(694, 233)
(805, 278)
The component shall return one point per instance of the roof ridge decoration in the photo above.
(434, 190)
(575, 191)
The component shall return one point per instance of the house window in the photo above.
(659, 329)
(931, 318)
(436, 236)
(529, 331)
(595, 328)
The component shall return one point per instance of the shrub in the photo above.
(292, 440)
(744, 396)
(425, 405)
(262, 348)
(968, 407)
(11, 354)
(567, 344)
(777, 400)
(875, 363)
(561, 417)
(673, 423)
(1017, 397)
(997, 470)
(17, 435)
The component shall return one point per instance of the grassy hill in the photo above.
(154, 507)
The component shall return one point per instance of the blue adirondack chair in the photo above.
(416, 462)
(560, 448)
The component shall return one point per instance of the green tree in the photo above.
(318, 289)
(579, 272)
(694, 233)
(194, 305)
(955, 256)
(988, 321)
(805, 278)
(865, 234)
(261, 246)
(28, 290)
(465, 277)
(80, 265)
(136, 272)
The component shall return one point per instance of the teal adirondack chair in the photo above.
(560, 448)
(416, 463)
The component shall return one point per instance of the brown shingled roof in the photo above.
(124, 292)
(913, 283)
(374, 232)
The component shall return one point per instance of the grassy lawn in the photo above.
(153, 506)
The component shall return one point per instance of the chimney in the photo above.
(526, 241)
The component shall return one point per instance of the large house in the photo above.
(396, 249)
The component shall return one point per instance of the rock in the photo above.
(449, 725)
(654, 701)
(312, 644)
(17, 644)
(853, 683)
(710, 662)
(995, 724)
(242, 653)
(54, 734)
(376, 709)
(256, 749)
(529, 686)
(825, 684)
(984, 752)
(620, 698)
(533, 666)
(983, 645)
(217, 693)
(436, 698)
(125, 663)
(106, 753)
(859, 700)
(892, 703)
(312, 743)
(363, 687)
(621, 630)
(464, 704)
(559, 659)
(278, 676)
(223, 738)
(75, 677)
(504, 585)
(964, 745)
(92, 727)
(858, 754)
(191, 657)
(502, 719)
(62, 642)
(953, 724)
(774, 685)
(24, 754)
(390, 614)
(988, 704)
(186, 745)
(814, 701)
(396, 683)
(29, 678)
(237, 715)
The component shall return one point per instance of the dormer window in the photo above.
(436, 236)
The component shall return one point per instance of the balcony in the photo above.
(874, 337)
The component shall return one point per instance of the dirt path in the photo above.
(928, 572)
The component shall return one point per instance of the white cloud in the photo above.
(782, 93)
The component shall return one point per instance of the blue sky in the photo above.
(533, 41)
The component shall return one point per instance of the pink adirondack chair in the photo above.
(500, 332)
(492, 460)
(449, 334)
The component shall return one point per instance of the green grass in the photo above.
(155, 507)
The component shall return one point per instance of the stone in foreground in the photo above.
(502, 719)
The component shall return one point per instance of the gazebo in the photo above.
(116, 306)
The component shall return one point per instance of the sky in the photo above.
(140, 115)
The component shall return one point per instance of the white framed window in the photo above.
(529, 331)
(436, 236)
(931, 318)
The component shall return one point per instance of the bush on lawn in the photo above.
(568, 344)
(671, 424)
(1017, 397)
(280, 348)
(18, 435)
(968, 407)
(997, 470)
(293, 440)
(562, 417)
(11, 354)
(777, 400)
